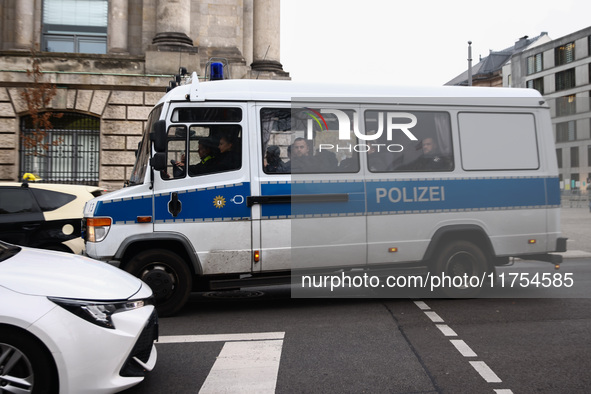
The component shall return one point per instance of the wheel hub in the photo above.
(160, 281)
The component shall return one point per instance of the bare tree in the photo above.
(37, 98)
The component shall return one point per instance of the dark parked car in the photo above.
(44, 215)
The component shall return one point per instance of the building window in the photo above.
(564, 54)
(566, 131)
(537, 84)
(565, 79)
(559, 157)
(75, 26)
(69, 152)
(534, 64)
(574, 156)
(574, 181)
(566, 105)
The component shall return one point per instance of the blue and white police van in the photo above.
(243, 183)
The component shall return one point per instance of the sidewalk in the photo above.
(575, 224)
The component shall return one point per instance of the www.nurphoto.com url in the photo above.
(433, 282)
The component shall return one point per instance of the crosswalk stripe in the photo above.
(245, 367)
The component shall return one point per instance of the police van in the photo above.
(243, 183)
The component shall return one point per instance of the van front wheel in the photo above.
(461, 267)
(167, 275)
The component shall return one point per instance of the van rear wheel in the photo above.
(167, 275)
(461, 266)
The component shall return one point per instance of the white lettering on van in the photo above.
(345, 125)
(414, 194)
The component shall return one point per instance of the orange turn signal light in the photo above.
(144, 219)
(257, 256)
(98, 222)
(531, 241)
(393, 250)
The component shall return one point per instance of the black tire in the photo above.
(466, 260)
(168, 276)
(34, 370)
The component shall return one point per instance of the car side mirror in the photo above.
(158, 136)
(158, 161)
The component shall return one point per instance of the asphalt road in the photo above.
(521, 340)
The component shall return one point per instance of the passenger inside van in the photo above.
(274, 164)
(229, 157)
(430, 160)
(207, 151)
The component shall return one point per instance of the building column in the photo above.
(24, 18)
(266, 36)
(173, 23)
(118, 30)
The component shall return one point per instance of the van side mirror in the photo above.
(158, 136)
(158, 161)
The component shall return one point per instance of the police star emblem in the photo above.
(219, 202)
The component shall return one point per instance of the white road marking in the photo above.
(256, 336)
(245, 367)
(435, 318)
(484, 371)
(422, 305)
(503, 391)
(446, 330)
(463, 348)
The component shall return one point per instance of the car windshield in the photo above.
(7, 251)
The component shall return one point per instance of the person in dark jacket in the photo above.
(230, 155)
(207, 151)
(274, 162)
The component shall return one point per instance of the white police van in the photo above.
(243, 182)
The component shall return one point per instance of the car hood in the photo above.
(55, 274)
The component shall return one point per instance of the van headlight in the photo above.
(98, 312)
(97, 229)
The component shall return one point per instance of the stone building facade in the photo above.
(111, 61)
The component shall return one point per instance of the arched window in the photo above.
(68, 153)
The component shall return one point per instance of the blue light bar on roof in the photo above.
(216, 72)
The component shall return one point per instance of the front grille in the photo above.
(142, 348)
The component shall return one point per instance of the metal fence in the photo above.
(69, 152)
(575, 198)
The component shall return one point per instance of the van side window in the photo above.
(302, 140)
(424, 145)
(211, 146)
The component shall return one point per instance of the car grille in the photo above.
(141, 349)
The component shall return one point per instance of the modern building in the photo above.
(560, 69)
(111, 61)
(489, 70)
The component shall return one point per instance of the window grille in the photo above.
(69, 152)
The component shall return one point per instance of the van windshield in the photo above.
(144, 149)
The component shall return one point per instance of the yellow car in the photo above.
(44, 215)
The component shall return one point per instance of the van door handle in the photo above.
(174, 205)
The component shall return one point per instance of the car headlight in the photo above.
(96, 229)
(98, 312)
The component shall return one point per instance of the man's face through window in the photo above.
(300, 148)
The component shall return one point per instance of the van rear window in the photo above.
(498, 141)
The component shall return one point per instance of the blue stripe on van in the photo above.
(220, 203)
(125, 210)
(417, 196)
(228, 202)
(461, 194)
